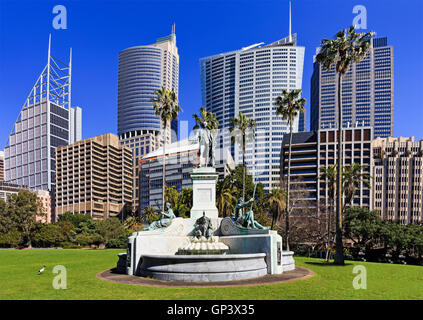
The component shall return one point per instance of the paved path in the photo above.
(288, 276)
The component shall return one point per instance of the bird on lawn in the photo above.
(41, 270)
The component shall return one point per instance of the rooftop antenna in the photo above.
(290, 37)
(173, 32)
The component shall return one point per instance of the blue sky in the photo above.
(98, 30)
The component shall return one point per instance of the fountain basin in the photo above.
(226, 267)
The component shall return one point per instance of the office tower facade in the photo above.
(356, 149)
(43, 124)
(314, 150)
(248, 81)
(1, 166)
(94, 176)
(398, 179)
(304, 171)
(367, 92)
(181, 157)
(143, 69)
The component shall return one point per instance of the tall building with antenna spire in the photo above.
(142, 70)
(248, 81)
(45, 122)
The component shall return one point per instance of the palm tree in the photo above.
(289, 106)
(149, 214)
(348, 47)
(276, 199)
(352, 177)
(206, 120)
(329, 174)
(225, 198)
(167, 108)
(246, 131)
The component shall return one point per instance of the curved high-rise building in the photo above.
(139, 75)
(143, 69)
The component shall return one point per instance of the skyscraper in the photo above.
(1, 166)
(248, 81)
(44, 123)
(143, 69)
(367, 92)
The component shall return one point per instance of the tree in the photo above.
(394, 236)
(10, 239)
(150, 214)
(109, 229)
(329, 174)
(6, 219)
(348, 47)
(289, 106)
(167, 108)
(24, 207)
(186, 197)
(243, 130)
(353, 176)
(172, 196)
(67, 228)
(225, 198)
(415, 232)
(85, 239)
(74, 218)
(276, 199)
(362, 227)
(180, 203)
(131, 223)
(234, 180)
(50, 234)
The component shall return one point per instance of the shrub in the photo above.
(85, 239)
(11, 239)
(49, 235)
(74, 218)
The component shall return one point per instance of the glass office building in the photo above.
(142, 70)
(248, 81)
(45, 122)
(367, 92)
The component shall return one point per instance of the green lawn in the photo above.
(19, 280)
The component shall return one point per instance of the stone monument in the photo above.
(205, 247)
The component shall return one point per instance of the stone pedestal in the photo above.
(204, 192)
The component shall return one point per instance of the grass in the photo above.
(19, 280)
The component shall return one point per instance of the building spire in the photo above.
(290, 32)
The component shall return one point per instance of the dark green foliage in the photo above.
(49, 235)
(110, 229)
(371, 235)
(20, 214)
(180, 203)
(119, 243)
(67, 228)
(10, 239)
(233, 184)
(75, 218)
(362, 226)
(85, 239)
